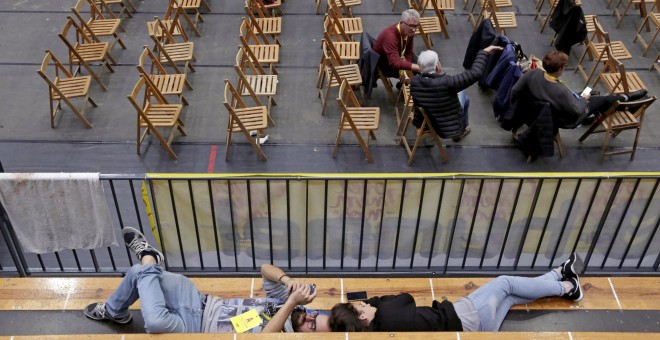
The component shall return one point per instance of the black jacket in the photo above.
(399, 313)
(538, 139)
(438, 95)
(569, 23)
(368, 63)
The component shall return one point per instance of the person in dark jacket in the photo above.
(482, 310)
(569, 23)
(443, 96)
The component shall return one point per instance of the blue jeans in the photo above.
(170, 303)
(494, 299)
(465, 104)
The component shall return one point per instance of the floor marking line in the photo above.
(458, 336)
(432, 291)
(214, 151)
(341, 282)
(570, 336)
(252, 289)
(614, 292)
(68, 295)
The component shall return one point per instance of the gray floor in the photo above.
(302, 139)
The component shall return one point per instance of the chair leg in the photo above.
(608, 132)
(418, 139)
(634, 149)
(339, 131)
(560, 146)
(324, 99)
(228, 142)
(441, 148)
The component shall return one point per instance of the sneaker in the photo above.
(262, 140)
(576, 293)
(637, 95)
(96, 311)
(462, 135)
(253, 133)
(568, 268)
(139, 245)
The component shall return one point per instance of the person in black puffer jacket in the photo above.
(443, 96)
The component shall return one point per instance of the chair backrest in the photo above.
(335, 28)
(613, 65)
(253, 33)
(332, 52)
(346, 97)
(232, 98)
(167, 36)
(83, 26)
(49, 59)
(599, 33)
(155, 63)
(149, 91)
(244, 61)
(103, 6)
(258, 7)
(243, 82)
(341, 4)
(80, 36)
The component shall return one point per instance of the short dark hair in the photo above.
(554, 60)
(344, 317)
(296, 320)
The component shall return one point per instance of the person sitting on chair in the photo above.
(395, 46)
(568, 108)
(482, 310)
(171, 303)
(443, 96)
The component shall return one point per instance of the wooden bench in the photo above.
(623, 293)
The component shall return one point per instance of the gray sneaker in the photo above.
(135, 240)
(96, 311)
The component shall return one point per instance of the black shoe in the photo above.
(96, 311)
(398, 85)
(568, 270)
(595, 93)
(139, 245)
(462, 135)
(632, 96)
(588, 119)
(576, 293)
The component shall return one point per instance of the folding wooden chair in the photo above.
(258, 82)
(260, 47)
(653, 18)
(173, 53)
(86, 51)
(438, 7)
(427, 26)
(264, 24)
(500, 4)
(243, 118)
(424, 131)
(273, 9)
(335, 72)
(97, 25)
(616, 79)
(656, 64)
(158, 77)
(195, 6)
(405, 100)
(63, 87)
(597, 50)
(345, 5)
(125, 7)
(641, 4)
(356, 118)
(173, 24)
(501, 20)
(347, 27)
(619, 117)
(155, 117)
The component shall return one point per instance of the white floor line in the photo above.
(570, 336)
(341, 283)
(68, 295)
(614, 292)
(432, 291)
(234, 336)
(346, 335)
(458, 336)
(252, 289)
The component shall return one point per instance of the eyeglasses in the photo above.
(312, 323)
(412, 27)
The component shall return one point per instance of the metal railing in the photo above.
(373, 225)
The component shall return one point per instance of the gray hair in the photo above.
(409, 13)
(427, 61)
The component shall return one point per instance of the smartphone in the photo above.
(587, 90)
(312, 288)
(356, 296)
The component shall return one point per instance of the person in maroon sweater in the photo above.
(395, 45)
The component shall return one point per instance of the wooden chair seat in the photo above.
(91, 52)
(619, 50)
(71, 87)
(103, 27)
(351, 25)
(126, 8)
(349, 72)
(269, 54)
(364, 118)
(348, 50)
(161, 115)
(169, 84)
(614, 84)
(190, 4)
(428, 25)
(272, 25)
(505, 19)
(178, 52)
(443, 5)
(253, 118)
(263, 85)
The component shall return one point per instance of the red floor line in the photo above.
(214, 149)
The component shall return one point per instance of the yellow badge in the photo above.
(246, 321)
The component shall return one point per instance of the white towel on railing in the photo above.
(57, 211)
